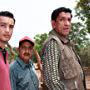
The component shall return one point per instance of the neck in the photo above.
(2, 44)
(26, 62)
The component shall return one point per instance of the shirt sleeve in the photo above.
(12, 79)
(50, 62)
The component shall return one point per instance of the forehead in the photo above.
(26, 43)
(64, 14)
(4, 19)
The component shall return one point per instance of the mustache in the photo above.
(26, 54)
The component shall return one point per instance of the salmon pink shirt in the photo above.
(4, 73)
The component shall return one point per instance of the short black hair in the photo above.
(56, 12)
(7, 14)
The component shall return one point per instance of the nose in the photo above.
(27, 50)
(67, 23)
(7, 29)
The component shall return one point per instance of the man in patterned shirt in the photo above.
(61, 65)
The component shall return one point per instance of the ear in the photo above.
(53, 24)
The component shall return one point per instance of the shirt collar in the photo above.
(2, 49)
(24, 65)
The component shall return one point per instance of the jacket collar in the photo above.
(22, 64)
(62, 38)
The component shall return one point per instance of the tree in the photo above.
(39, 40)
(78, 35)
(85, 55)
(83, 12)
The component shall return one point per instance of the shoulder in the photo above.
(50, 44)
(14, 65)
(51, 40)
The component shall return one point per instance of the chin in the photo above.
(27, 59)
(66, 34)
(6, 40)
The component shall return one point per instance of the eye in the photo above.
(11, 26)
(2, 25)
(61, 19)
(69, 19)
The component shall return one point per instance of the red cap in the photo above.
(26, 38)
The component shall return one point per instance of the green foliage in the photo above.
(39, 40)
(15, 52)
(12, 54)
(78, 35)
(85, 55)
(83, 12)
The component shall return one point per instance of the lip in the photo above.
(66, 29)
(7, 36)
